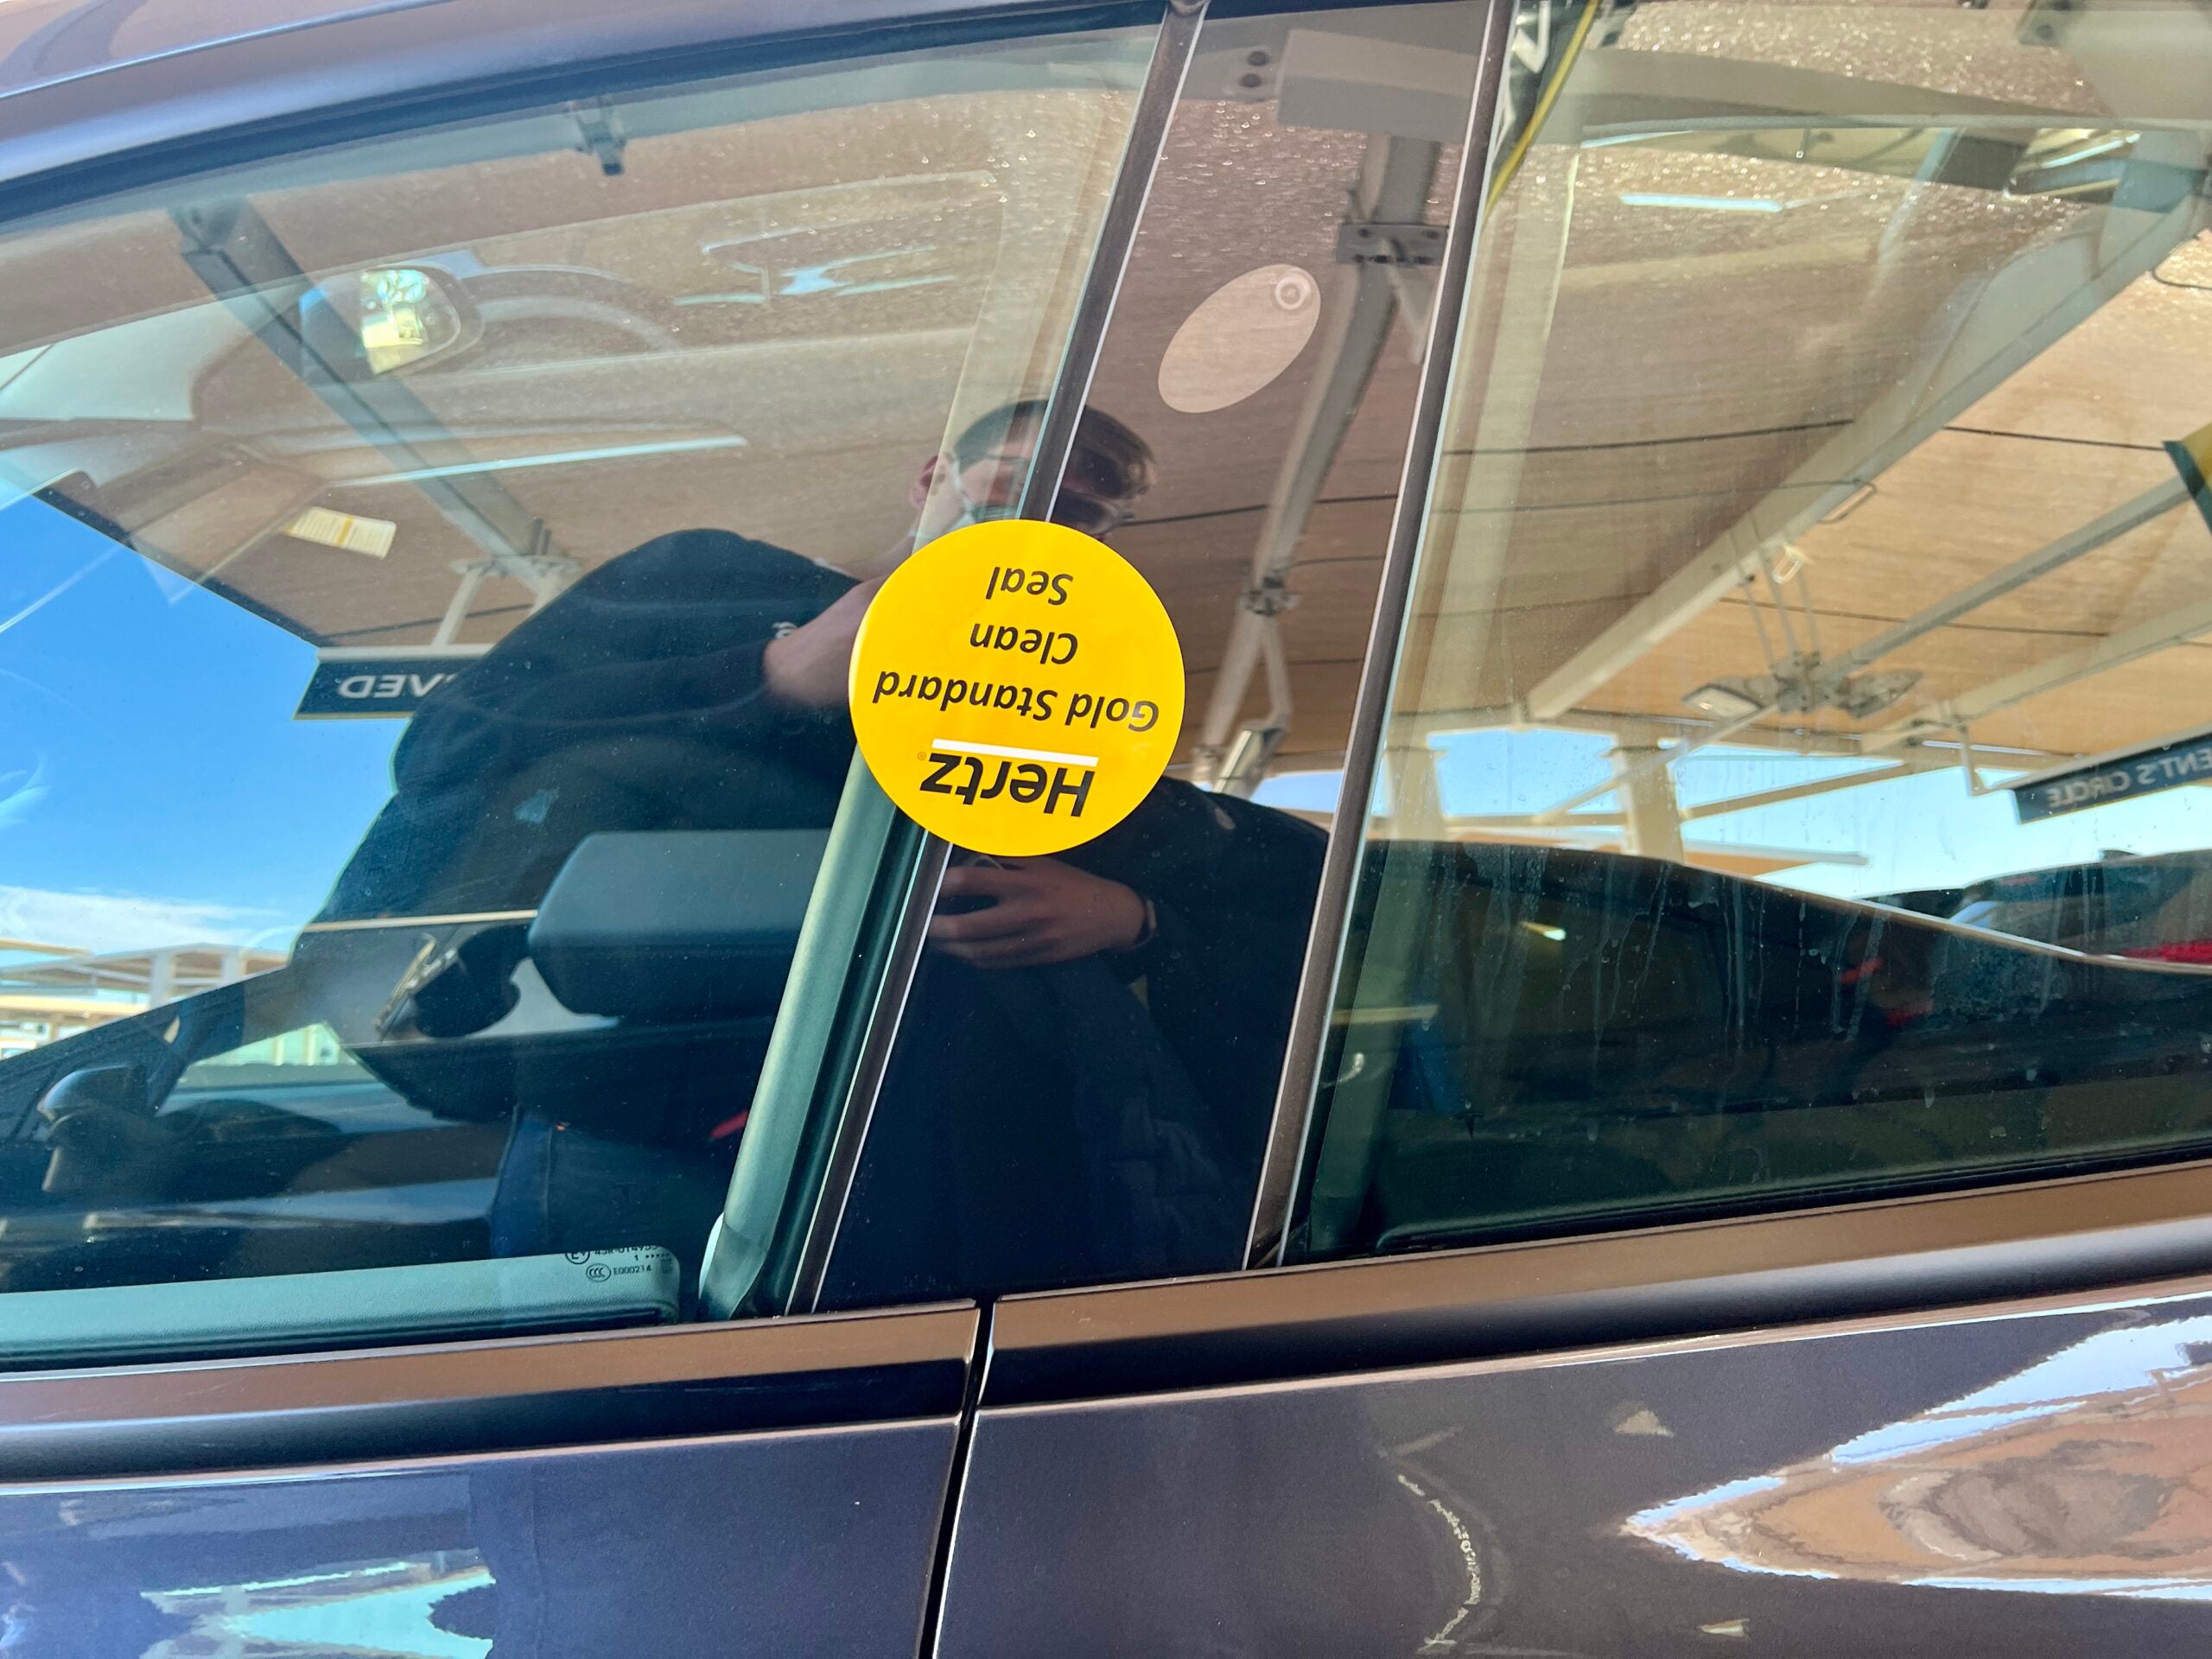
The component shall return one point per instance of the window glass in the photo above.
(416, 748)
(1794, 783)
(1087, 1066)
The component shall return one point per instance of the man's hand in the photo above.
(1046, 912)
(809, 665)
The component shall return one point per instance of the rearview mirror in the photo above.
(385, 319)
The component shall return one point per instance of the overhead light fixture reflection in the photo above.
(557, 458)
(350, 532)
(1655, 137)
(1239, 339)
(1721, 701)
(2103, 146)
(1701, 203)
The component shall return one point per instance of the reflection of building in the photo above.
(2088, 1473)
(51, 991)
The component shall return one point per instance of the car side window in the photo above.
(1794, 784)
(428, 564)
(1087, 1067)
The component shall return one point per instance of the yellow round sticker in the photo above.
(1017, 687)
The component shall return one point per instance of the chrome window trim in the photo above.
(408, 1462)
(1937, 1255)
(495, 1394)
(1317, 988)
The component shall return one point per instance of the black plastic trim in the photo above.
(449, 1398)
(955, 1488)
(2080, 1234)
(1289, 1133)
(925, 855)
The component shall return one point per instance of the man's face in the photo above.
(990, 486)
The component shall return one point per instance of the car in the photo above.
(2139, 904)
(1604, 1096)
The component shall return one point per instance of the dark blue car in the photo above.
(1641, 1084)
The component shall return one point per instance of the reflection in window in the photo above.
(167, 826)
(1270, 376)
(1239, 338)
(384, 527)
(1808, 630)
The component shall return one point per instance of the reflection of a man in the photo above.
(1098, 1112)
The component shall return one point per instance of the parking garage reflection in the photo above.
(2088, 1473)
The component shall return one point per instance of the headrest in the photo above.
(675, 925)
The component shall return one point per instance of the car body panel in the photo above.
(52, 41)
(810, 1540)
(1985, 1482)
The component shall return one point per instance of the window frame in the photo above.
(914, 862)
(2119, 1236)
(492, 1394)
(1267, 1223)
(1267, 1235)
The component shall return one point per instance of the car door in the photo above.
(360, 1172)
(687, 1488)
(1669, 1245)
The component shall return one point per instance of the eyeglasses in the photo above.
(1094, 515)
(1090, 514)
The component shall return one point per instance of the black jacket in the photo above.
(636, 700)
